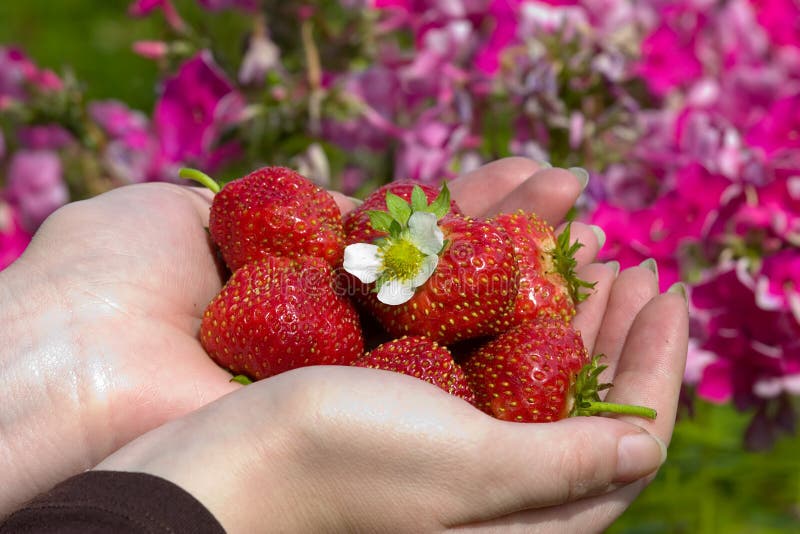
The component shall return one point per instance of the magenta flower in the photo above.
(142, 8)
(779, 128)
(755, 348)
(35, 186)
(45, 137)
(669, 60)
(196, 106)
(218, 5)
(13, 238)
(777, 285)
(781, 19)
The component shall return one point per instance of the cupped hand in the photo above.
(121, 283)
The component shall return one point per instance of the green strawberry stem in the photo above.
(200, 177)
(592, 408)
(586, 394)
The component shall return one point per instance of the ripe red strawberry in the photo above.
(548, 284)
(539, 371)
(275, 211)
(469, 294)
(276, 314)
(422, 358)
(357, 226)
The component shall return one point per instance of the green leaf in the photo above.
(398, 208)
(380, 220)
(419, 201)
(395, 229)
(441, 204)
(242, 379)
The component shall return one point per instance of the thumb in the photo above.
(536, 465)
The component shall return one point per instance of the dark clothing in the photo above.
(113, 502)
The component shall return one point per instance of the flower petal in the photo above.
(362, 261)
(395, 292)
(425, 233)
(429, 264)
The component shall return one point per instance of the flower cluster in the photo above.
(686, 113)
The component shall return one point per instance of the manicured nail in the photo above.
(599, 234)
(545, 165)
(679, 288)
(581, 175)
(638, 455)
(614, 265)
(651, 264)
(356, 201)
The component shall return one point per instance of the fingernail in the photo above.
(614, 265)
(650, 264)
(356, 201)
(545, 165)
(638, 455)
(678, 288)
(599, 234)
(581, 175)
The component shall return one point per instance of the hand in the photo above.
(108, 324)
(335, 448)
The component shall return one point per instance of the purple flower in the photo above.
(755, 348)
(218, 5)
(427, 149)
(35, 186)
(17, 72)
(777, 285)
(196, 106)
(46, 137)
(13, 238)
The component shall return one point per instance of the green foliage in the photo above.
(710, 485)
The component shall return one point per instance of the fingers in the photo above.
(633, 288)
(549, 193)
(650, 368)
(486, 186)
(525, 467)
(590, 312)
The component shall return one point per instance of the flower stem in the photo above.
(610, 407)
(200, 177)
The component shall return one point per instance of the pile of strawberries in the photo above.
(478, 307)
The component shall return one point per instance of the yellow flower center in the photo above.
(402, 260)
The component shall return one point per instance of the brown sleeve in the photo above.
(113, 501)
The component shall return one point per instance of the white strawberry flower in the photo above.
(408, 256)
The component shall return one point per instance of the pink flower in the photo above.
(754, 347)
(17, 72)
(218, 5)
(779, 128)
(142, 8)
(427, 149)
(13, 238)
(781, 19)
(151, 49)
(35, 187)
(45, 137)
(196, 106)
(777, 285)
(669, 60)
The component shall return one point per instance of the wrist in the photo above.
(40, 432)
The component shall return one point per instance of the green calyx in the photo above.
(242, 379)
(564, 259)
(394, 221)
(201, 178)
(586, 395)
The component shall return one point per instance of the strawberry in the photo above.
(539, 371)
(548, 284)
(276, 314)
(422, 358)
(357, 226)
(273, 211)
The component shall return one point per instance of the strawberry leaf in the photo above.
(419, 202)
(242, 379)
(398, 208)
(441, 204)
(380, 220)
(565, 263)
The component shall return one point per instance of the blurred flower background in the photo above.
(686, 113)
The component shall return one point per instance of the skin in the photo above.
(99, 353)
